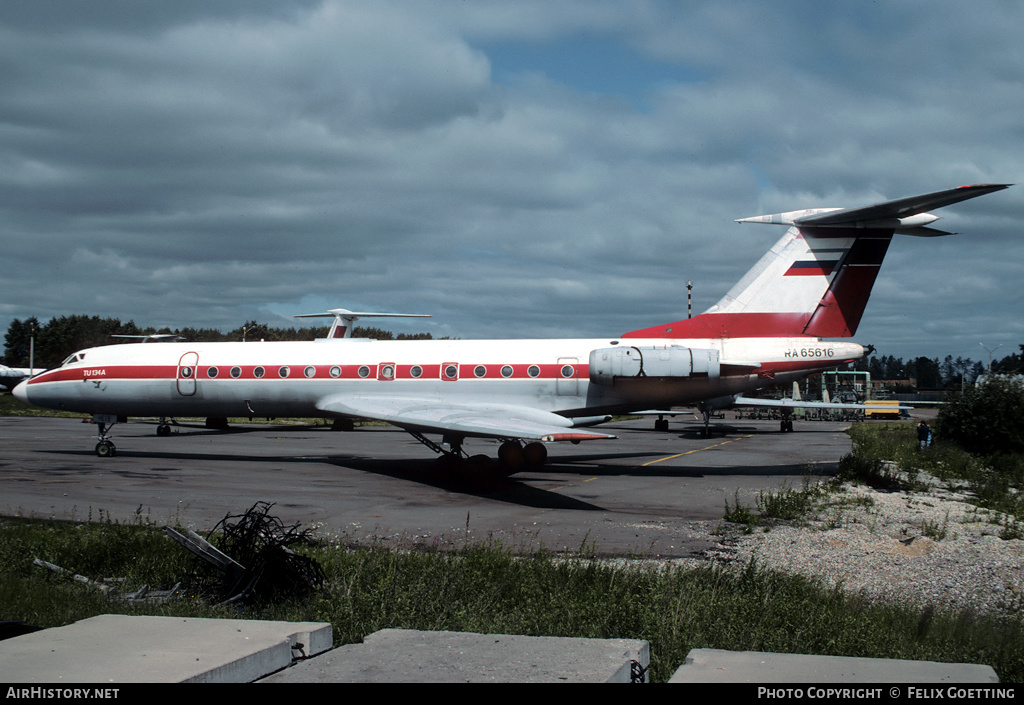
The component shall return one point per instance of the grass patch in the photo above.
(489, 589)
(889, 455)
(785, 504)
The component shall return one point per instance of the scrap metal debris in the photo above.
(110, 585)
(255, 560)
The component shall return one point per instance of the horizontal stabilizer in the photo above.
(901, 208)
(901, 214)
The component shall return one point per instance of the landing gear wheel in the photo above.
(106, 449)
(163, 430)
(661, 425)
(535, 454)
(510, 454)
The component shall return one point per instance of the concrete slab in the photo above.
(406, 656)
(719, 666)
(128, 649)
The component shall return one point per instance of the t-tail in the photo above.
(816, 280)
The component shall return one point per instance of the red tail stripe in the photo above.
(730, 325)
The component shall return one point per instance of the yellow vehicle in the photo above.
(882, 409)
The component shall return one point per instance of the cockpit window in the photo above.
(75, 357)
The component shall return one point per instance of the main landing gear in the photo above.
(513, 456)
(705, 412)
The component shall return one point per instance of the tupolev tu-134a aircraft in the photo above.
(772, 326)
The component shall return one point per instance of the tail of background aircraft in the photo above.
(817, 278)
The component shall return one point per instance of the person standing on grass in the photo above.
(924, 434)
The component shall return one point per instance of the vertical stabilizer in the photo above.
(816, 280)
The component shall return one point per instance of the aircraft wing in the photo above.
(479, 420)
(802, 404)
(739, 400)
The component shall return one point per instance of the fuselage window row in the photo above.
(386, 371)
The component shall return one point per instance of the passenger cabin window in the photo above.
(533, 371)
(284, 371)
(212, 372)
(335, 372)
(506, 371)
(259, 372)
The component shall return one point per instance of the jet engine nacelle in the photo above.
(675, 361)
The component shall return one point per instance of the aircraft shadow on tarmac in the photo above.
(511, 490)
(571, 465)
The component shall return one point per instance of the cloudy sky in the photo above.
(535, 168)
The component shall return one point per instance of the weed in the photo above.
(1011, 529)
(738, 513)
(936, 530)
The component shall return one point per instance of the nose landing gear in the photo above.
(105, 448)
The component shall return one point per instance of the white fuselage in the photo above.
(290, 379)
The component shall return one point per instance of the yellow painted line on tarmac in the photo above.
(695, 450)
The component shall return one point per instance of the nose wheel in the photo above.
(105, 448)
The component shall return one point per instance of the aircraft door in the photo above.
(188, 370)
(566, 380)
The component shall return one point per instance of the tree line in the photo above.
(59, 337)
(929, 373)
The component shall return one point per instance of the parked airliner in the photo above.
(11, 376)
(772, 326)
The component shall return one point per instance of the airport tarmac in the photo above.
(655, 493)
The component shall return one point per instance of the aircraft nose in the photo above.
(20, 392)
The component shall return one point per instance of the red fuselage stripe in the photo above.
(298, 372)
